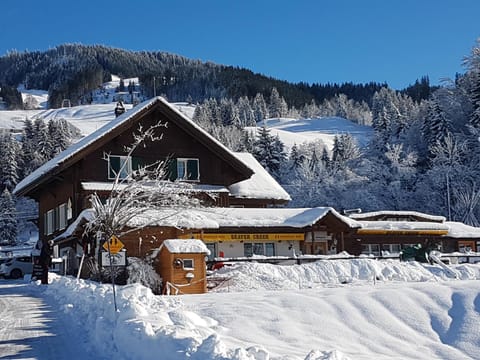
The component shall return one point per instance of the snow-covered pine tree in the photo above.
(313, 163)
(325, 158)
(8, 219)
(436, 126)
(245, 111)
(260, 109)
(269, 151)
(9, 153)
(278, 106)
(473, 63)
(295, 158)
(344, 149)
(59, 136)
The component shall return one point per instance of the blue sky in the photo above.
(316, 41)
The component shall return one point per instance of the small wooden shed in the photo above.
(182, 266)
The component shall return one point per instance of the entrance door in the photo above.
(213, 250)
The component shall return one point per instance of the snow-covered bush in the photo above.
(141, 271)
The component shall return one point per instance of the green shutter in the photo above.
(114, 166)
(137, 163)
(172, 169)
(192, 169)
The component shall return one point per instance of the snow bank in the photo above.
(145, 327)
(409, 303)
(255, 276)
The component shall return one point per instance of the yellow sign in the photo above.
(114, 243)
(255, 237)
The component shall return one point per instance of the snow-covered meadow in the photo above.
(342, 309)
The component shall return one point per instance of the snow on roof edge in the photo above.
(396, 213)
(185, 246)
(249, 189)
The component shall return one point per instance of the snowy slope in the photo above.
(295, 131)
(362, 309)
(88, 118)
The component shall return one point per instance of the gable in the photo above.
(181, 134)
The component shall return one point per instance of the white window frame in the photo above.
(182, 162)
(49, 222)
(62, 216)
(69, 209)
(185, 265)
(369, 249)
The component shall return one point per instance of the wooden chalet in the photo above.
(62, 186)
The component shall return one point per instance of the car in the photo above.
(17, 267)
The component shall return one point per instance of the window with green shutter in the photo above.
(123, 165)
(187, 169)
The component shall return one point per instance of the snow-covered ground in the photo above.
(343, 309)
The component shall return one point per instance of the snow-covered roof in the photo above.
(403, 226)
(107, 186)
(261, 184)
(214, 218)
(460, 230)
(239, 217)
(85, 216)
(185, 246)
(394, 214)
(64, 156)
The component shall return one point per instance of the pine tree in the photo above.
(295, 159)
(436, 126)
(325, 158)
(36, 146)
(278, 105)
(8, 219)
(59, 136)
(260, 109)
(246, 115)
(313, 163)
(9, 153)
(269, 151)
(344, 149)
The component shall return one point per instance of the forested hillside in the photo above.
(71, 71)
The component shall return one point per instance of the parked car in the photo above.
(17, 267)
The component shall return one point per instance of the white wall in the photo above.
(235, 249)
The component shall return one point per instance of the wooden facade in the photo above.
(183, 271)
(54, 186)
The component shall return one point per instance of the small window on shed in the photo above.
(188, 264)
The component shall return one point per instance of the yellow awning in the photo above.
(249, 237)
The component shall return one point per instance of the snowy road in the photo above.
(32, 328)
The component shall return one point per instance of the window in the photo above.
(390, 249)
(269, 249)
(49, 222)
(188, 264)
(62, 216)
(186, 169)
(371, 249)
(213, 250)
(69, 209)
(250, 249)
(119, 165)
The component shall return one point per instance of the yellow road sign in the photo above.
(114, 243)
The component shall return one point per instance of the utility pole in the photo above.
(448, 199)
